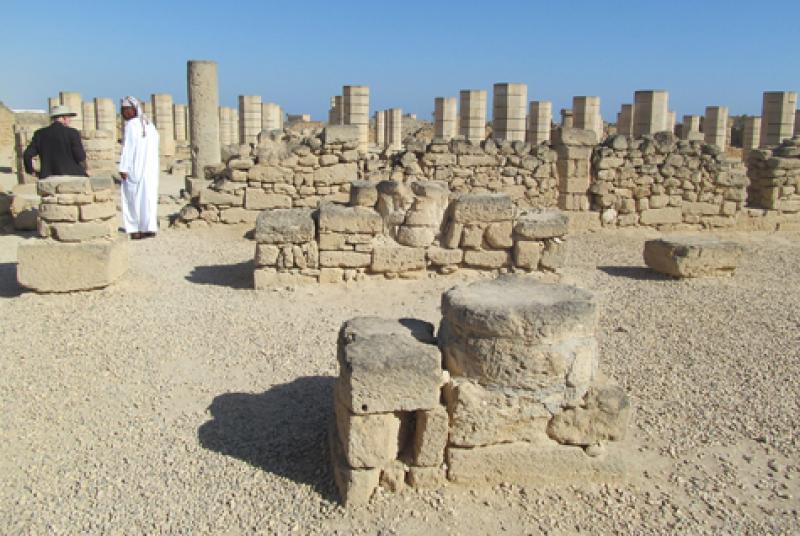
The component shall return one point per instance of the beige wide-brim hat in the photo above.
(61, 111)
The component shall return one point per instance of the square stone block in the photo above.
(692, 256)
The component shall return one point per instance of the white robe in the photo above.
(139, 160)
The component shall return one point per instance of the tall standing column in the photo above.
(691, 127)
(89, 117)
(567, 119)
(225, 126)
(356, 112)
(540, 117)
(380, 129)
(777, 117)
(203, 93)
(715, 126)
(508, 111)
(751, 135)
(105, 115)
(72, 99)
(650, 110)
(445, 112)
(473, 114)
(394, 129)
(165, 123)
(625, 120)
(179, 121)
(671, 118)
(586, 114)
(271, 116)
(249, 118)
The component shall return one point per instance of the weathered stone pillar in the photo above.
(574, 149)
(101, 152)
(356, 112)
(445, 117)
(105, 115)
(203, 91)
(335, 113)
(73, 100)
(625, 120)
(89, 117)
(715, 126)
(671, 118)
(271, 116)
(147, 108)
(163, 119)
(751, 134)
(650, 110)
(380, 129)
(586, 113)
(249, 118)
(540, 118)
(777, 117)
(22, 138)
(473, 114)
(179, 121)
(691, 128)
(226, 126)
(567, 119)
(81, 248)
(52, 102)
(508, 111)
(394, 129)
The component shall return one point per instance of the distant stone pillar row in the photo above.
(473, 114)
(226, 126)
(691, 128)
(105, 115)
(586, 114)
(540, 117)
(394, 129)
(356, 112)
(650, 110)
(777, 117)
(380, 129)
(72, 99)
(715, 126)
(271, 116)
(89, 121)
(625, 120)
(165, 123)
(249, 118)
(445, 117)
(751, 134)
(179, 121)
(203, 91)
(508, 111)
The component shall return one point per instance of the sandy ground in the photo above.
(180, 401)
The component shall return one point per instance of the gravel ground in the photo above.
(180, 401)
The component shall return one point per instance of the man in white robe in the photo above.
(139, 169)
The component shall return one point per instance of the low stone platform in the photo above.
(52, 266)
(692, 256)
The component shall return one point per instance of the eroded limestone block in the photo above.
(603, 415)
(355, 486)
(427, 477)
(51, 266)
(284, 226)
(363, 194)
(527, 254)
(475, 208)
(397, 259)
(430, 437)
(367, 440)
(336, 218)
(538, 225)
(692, 256)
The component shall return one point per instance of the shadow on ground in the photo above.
(642, 273)
(282, 430)
(237, 276)
(9, 288)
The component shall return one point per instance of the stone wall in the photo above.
(393, 229)
(659, 180)
(775, 177)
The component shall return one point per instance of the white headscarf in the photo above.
(133, 102)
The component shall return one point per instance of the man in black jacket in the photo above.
(58, 147)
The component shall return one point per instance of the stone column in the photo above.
(671, 118)
(574, 149)
(163, 119)
(777, 117)
(101, 152)
(508, 111)
(394, 129)
(336, 112)
(225, 126)
(473, 114)
(249, 118)
(203, 91)
(106, 115)
(444, 117)
(89, 117)
(380, 129)
(73, 100)
(715, 126)
(625, 120)
(271, 116)
(751, 135)
(691, 128)
(586, 113)
(650, 110)
(356, 112)
(22, 138)
(540, 117)
(179, 121)
(147, 107)
(52, 102)
(567, 119)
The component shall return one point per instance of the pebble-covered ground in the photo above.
(181, 401)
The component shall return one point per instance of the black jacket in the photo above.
(59, 149)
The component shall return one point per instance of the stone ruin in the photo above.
(775, 176)
(510, 392)
(391, 229)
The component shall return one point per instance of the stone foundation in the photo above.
(523, 400)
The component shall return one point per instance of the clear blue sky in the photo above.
(298, 54)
